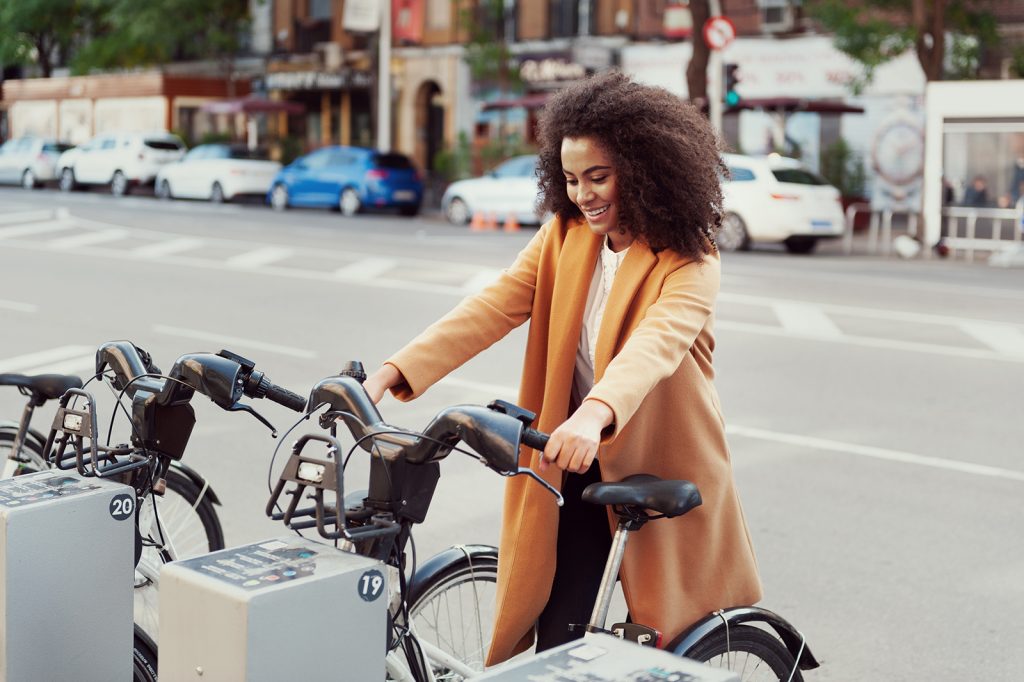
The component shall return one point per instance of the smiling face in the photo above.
(590, 183)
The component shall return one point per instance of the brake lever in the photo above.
(242, 407)
(535, 476)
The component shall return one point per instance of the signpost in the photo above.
(718, 32)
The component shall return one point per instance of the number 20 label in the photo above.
(122, 506)
(371, 585)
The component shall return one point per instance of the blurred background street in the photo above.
(872, 404)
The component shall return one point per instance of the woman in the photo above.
(619, 289)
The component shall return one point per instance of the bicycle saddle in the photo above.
(45, 386)
(671, 498)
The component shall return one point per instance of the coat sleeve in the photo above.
(472, 326)
(657, 346)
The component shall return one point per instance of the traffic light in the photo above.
(732, 98)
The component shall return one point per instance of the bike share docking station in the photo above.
(288, 608)
(66, 565)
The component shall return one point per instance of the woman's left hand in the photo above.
(573, 445)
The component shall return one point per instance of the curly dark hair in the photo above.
(665, 155)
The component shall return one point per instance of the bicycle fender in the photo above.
(446, 559)
(32, 435)
(714, 622)
(196, 478)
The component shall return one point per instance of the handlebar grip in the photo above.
(282, 396)
(537, 440)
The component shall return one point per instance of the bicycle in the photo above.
(161, 425)
(403, 473)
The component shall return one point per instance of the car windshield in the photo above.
(396, 161)
(167, 145)
(519, 167)
(797, 176)
(246, 153)
(58, 147)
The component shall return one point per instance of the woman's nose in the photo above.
(583, 193)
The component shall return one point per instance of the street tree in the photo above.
(873, 32)
(42, 32)
(697, 69)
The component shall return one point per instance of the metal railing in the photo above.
(984, 229)
(880, 228)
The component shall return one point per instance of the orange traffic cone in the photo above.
(492, 221)
(511, 224)
(477, 224)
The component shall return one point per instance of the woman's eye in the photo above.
(570, 182)
(600, 179)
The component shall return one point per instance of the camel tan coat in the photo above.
(653, 369)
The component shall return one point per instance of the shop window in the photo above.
(320, 9)
(983, 163)
(439, 14)
(564, 18)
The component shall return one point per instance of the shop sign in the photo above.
(677, 21)
(361, 16)
(550, 71)
(407, 21)
(312, 80)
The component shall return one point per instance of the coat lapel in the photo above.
(637, 264)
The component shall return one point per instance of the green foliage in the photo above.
(487, 53)
(1017, 62)
(291, 149)
(456, 163)
(843, 168)
(43, 32)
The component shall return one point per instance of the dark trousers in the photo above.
(584, 541)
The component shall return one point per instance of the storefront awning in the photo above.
(795, 104)
(252, 105)
(534, 101)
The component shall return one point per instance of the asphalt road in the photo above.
(873, 405)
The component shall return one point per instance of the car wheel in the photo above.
(733, 235)
(217, 193)
(163, 190)
(801, 244)
(67, 180)
(457, 212)
(349, 202)
(118, 184)
(28, 180)
(279, 197)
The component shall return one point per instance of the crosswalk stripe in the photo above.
(35, 228)
(254, 259)
(167, 248)
(84, 364)
(1001, 337)
(234, 340)
(88, 239)
(25, 216)
(18, 306)
(806, 320)
(43, 357)
(365, 269)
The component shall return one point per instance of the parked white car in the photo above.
(30, 161)
(511, 188)
(776, 199)
(121, 160)
(218, 172)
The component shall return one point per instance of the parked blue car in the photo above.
(350, 179)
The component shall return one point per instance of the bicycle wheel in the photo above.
(144, 661)
(453, 608)
(189, 529)
(753, 654)
(31, 450)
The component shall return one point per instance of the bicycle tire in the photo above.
(751, 653)
(29, 446)
(454, 609)
(193, 529)
(144, 658)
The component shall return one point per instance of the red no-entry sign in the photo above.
(718, 32)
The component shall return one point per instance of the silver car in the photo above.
(30, 161)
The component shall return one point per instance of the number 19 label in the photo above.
(371, 585)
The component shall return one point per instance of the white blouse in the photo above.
(600, 286)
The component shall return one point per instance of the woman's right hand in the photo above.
(380, 381)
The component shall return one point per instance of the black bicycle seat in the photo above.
(45, 386)
(671, 498)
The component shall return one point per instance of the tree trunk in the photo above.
(929, 21)
(43, 49)
(697, 69)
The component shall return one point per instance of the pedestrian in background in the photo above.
(619, 289)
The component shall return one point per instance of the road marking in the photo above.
(35, 228)
(1001, 337)
(805, 319)
(480, 280)
(87, 239)
(365, 269)
(494, 390)
(25, 217)
(259, 257)
(234, 340)
(872, 342)
(876, 453)
(167, 248)
(84, 364)
(42, 357)
(19, 307)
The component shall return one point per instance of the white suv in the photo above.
(121, 160)
(776, 199)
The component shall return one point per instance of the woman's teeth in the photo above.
(596, 212)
